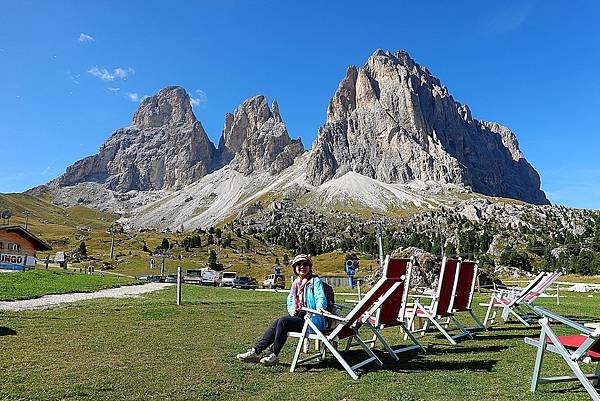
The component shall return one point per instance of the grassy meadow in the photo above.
(38, 282)
(149, 348)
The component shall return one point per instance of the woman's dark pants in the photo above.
(277, 333)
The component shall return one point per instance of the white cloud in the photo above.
(199, 99)
(83, 37)
(134, 97)
(108, 76)
(113, 90)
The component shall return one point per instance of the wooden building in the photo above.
(18, 247)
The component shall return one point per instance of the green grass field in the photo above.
(39, 282)
(149, 348)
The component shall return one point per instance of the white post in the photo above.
(179, 285)
(557, 295)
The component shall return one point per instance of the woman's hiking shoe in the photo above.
(249, 356)
(270, 360)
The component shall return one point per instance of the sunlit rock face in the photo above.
(393, 121)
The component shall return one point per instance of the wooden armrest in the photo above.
(323, 313)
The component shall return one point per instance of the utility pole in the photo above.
(112, 228)
(26, 213)
(380, 233)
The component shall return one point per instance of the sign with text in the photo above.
(6, 258)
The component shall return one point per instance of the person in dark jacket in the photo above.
(307, 291)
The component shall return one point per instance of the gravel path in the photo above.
(49, 301)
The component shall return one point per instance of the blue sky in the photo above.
(73, 72)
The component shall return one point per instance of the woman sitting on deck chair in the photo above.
(307, 291)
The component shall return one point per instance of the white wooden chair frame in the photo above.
(433, 316)
(549, 341)
(352, 321)
(517, 303)
(454, 309)
(379, 325)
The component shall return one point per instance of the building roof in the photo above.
(39, 244)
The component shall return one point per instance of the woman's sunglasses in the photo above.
(305, 264)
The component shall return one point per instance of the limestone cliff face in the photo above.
(164, 148)
(255, 139)
(393, 121)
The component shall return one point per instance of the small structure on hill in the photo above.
(18, 248)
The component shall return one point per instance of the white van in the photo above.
(209, 277)
(227, 279)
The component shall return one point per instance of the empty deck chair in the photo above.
(517, 303)
(583, 347)
(441, 305)
(463, 290)
(392, 312)
(348, 326)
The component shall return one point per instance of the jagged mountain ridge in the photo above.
(166, 146)
(393, 121)
(393, 137)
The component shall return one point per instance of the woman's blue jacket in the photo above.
(314, 294)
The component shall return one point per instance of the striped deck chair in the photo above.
(517, 304)
(441, 305)
(583, 347)
(392, 312)
(462, 294)
(348, 326)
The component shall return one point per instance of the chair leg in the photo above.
(414, 339)
(441, 329)
(386, 345)
(480, 325)
(299, 346)
(465, 332)
(539, 358)
(332, 349)
(369, 351)
(487, 318)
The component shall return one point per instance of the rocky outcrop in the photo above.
(164, 148)
(256, 139)
(393, 121)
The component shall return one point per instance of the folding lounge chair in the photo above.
(392, 311)
(517, 304)
(462, 294)
(574, 349)
(348, 326)
(441, 304)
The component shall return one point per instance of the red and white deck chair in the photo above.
(517, 303)
(348, 326)
(392, 312)
(441, 305)
(462, 294)
(583, 347)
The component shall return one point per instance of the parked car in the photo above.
(193, 276)
(149, 277)
(171, 278)
(274, 281)
(209, 277)
(227, 279)
(245, 283)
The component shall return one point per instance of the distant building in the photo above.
(18, 247)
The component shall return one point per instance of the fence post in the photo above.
(179, 285)
(557, 295)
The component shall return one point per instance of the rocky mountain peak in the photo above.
(166, 147)
(170, 106)
(392, 120)
(255, 138)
